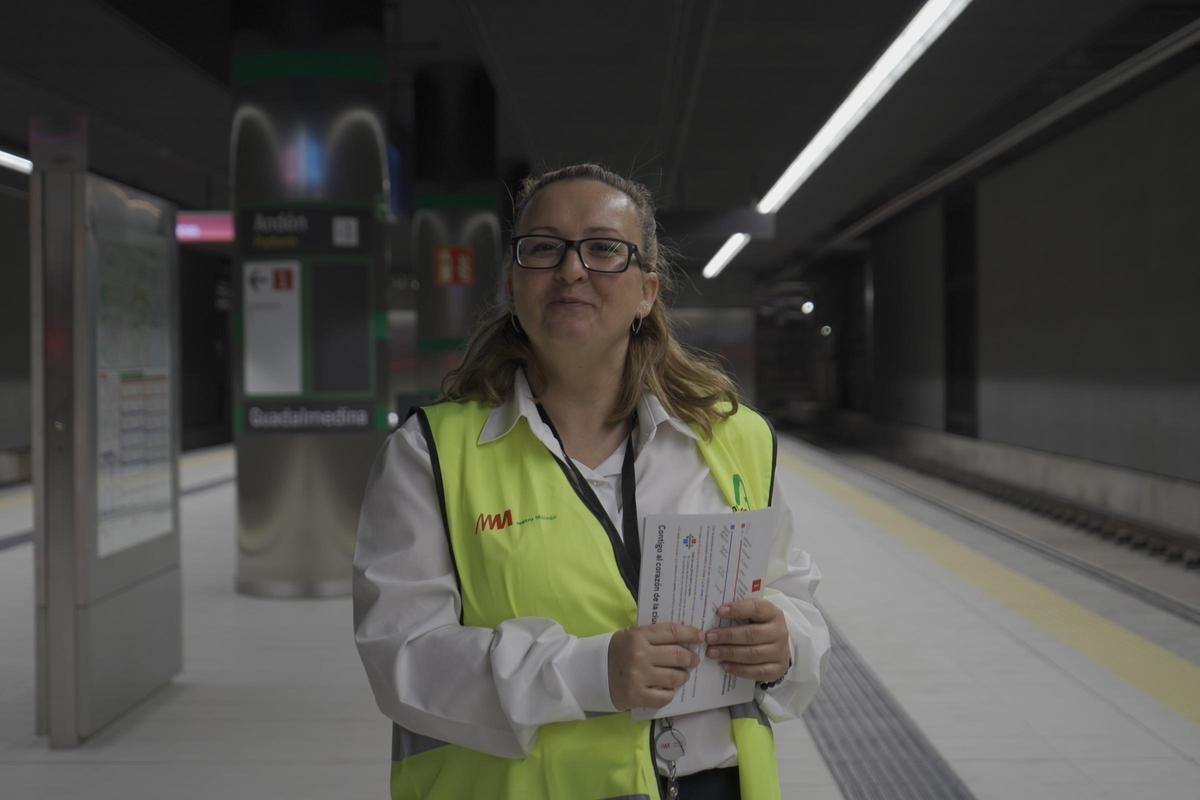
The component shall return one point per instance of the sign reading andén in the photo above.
(318, 230)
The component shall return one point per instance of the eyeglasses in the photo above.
(596, 255)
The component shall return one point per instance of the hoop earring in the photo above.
(636, 326)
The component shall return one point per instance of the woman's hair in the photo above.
(690, 385)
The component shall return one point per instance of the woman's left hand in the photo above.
(758, 648)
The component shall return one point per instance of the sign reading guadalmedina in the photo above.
(262, 417)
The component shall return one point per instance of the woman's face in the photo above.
(569, 306)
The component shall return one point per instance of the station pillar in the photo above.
(310, 187)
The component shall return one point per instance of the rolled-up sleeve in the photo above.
(483, 688)
(792, 580)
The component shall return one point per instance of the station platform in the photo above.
(966, 664)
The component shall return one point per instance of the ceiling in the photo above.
(706, 101)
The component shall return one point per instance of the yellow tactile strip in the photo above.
(1170, 679)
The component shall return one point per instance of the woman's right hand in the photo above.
(647, 663)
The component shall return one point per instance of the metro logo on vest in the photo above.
(494, 522)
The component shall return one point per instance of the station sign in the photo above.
(305, 230)
(272, 361)
(284, 417)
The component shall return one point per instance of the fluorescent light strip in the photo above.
(15, 162)
(933, 18)
(733, 245)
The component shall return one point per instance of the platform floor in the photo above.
(1031, 679)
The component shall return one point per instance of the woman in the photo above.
(496, 569)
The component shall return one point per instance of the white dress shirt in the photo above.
(490, 688)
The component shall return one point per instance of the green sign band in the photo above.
(309, 64)
(433, 345)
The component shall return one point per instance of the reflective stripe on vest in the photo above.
(523, 544)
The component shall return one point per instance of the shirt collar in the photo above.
(651, 414)
(520, 403)
(504, 417)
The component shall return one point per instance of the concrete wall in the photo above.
(1089, 290)
(14, 320)
(909, 325)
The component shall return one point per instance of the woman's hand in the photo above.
(646, 664)
(759, 648)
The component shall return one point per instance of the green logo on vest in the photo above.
(741, 497)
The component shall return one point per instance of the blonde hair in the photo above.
(691, 385)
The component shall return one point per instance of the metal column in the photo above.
(310, 169)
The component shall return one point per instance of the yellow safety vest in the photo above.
(524, 545)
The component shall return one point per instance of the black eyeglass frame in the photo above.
(576, 245)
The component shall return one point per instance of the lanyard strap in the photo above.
(629, 516)
(629, 512)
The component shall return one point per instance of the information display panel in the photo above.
(129, 253)
(274, 337)
(341, 316)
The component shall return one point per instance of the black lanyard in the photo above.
(628, 548)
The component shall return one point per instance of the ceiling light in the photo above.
(807, 308)
(15, 162)
(933, 18)
(733, 245)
